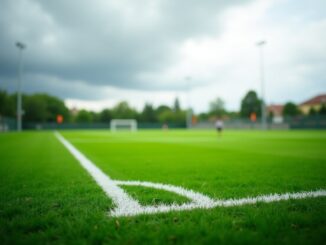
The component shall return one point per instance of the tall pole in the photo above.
(188, 113)
(263, 105)
(20, 47)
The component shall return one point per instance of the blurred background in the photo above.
(79, 64)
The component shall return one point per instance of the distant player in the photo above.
(165, 126)
(219, 126)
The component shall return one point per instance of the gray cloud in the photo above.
(79, 49)
(102, 42)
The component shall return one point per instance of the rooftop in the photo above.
(320, 99)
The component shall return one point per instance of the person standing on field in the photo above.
(219, 126)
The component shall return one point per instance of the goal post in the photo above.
(125, 124)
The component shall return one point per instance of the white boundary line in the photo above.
(127, 206)
(118, 196)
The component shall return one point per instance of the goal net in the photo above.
(123, 124)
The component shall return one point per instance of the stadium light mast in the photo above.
(189, 113)
(260, 45)
(20, 47)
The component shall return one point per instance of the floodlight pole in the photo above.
(188, 114)
(263, 105)
(20, 47)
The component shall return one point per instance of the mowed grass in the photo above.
(46, 197)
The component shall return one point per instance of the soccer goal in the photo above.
(123, 124)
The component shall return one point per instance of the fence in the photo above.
(96, 125)
(301, 122)
(241, 124)
(307, 122)
(7, 124)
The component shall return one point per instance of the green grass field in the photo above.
(47, 197)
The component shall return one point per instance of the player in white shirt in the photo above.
(219, 126)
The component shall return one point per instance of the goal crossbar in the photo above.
(131, 123)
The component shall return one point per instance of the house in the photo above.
(277, 112)
(315, 103)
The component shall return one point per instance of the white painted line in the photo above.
(117, 194)
(204, 203)
(127, 206)
(195, 197)
(197, 200)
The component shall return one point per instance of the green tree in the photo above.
(164, 113)
(203, 116)
(322, 110)
(54, 107)
(176, 105)
(312, 112)
(95, 116)
(169, 116)
(7, 104)
(166, 116)
(233, 114)
(43, 108)
(123, 111)
(3, 102)
(180, 117)
(35, 109)
(216, 107)
(84, 116)
(250, 104)
(290, 109)
(148, 114)
(161, 109)
(105, 115)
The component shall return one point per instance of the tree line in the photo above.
(45, 108)
(122, 110)
(36, 107)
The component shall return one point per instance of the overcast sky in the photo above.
(94, 53)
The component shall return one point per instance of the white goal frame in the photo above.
(123, 122)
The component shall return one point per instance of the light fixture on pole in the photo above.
(21, 47)
(263, 105)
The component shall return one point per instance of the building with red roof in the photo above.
(315, 103)
(276, 111)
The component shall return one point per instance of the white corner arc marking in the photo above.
(118, 195)
(127, 206)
